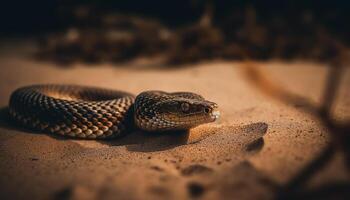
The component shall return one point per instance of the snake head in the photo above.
(159, 111)
(183, 113)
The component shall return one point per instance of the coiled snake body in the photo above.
(96, 113)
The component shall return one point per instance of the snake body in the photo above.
(97, 113)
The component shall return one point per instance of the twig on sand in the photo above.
(339, 132)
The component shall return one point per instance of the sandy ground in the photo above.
(256, 145)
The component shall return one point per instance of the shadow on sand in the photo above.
(134, 141)
(140, 141)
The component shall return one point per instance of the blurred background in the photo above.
(176, 32)
(204, 46)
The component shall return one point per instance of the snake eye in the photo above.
(185, 107)
(206, 110)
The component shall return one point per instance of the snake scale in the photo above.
(97, 113)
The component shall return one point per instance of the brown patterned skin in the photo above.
(95, 113)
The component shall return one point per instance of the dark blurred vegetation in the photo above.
(180, 31)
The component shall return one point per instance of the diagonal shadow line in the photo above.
(251, 138)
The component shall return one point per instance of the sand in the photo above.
(257, 145)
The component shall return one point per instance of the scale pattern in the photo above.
(75, 111)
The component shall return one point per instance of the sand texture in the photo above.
(257, 145)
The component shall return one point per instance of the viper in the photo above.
(98, 113)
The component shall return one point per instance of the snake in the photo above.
(87, 112)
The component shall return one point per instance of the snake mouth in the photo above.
(215, 114)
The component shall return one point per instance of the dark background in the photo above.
(21, 17)
(260, 30)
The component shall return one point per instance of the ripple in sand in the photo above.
(196, 169)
